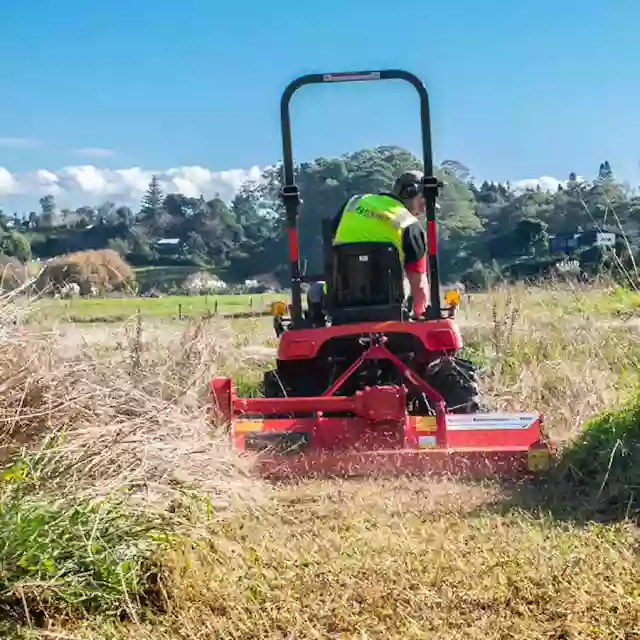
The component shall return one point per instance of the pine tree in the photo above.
(152, 202)
(152, 210)
(605, 172)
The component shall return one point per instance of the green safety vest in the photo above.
(374, 218)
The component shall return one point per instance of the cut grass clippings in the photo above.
(356, 566)
(395, 559)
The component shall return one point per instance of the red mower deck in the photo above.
(373, 435)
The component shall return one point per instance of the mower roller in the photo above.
(361, 386)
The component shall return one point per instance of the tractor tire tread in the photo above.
(271, 386)
(457, 380)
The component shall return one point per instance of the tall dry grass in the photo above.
(564, 350)
(130, 413)
(125, 516)
(103, 448)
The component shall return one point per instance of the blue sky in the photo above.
(518, 89)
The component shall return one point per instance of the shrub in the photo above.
(604, 462)
(16, 245)
(103, 270)
(13, 273)
(72, 556)
(203, 282)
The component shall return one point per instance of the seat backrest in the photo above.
(364, 281)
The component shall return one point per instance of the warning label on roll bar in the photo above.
(345, 77)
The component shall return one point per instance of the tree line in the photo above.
(484, 229)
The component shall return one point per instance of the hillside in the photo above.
(488, 230)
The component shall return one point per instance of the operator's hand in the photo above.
(417, 317)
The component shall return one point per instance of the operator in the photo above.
(387, 217)
(392, 217)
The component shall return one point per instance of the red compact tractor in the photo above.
(362, 387)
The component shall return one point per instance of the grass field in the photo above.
(170, 307)
(124, 516)
(121, 309)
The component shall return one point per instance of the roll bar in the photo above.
(291, 193)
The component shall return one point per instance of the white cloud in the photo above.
(87, 184)
(546, 183)
(8, 183)
(192, 181)
(95, 152)
(136, 178)
(48, 181)
(20, 143)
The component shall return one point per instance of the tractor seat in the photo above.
(365, 283)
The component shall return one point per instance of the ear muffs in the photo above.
(411, 190)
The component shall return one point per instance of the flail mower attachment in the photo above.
(373, 433)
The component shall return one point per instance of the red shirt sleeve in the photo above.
(419, 266)
(415, 249)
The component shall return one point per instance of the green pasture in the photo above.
(118, 309)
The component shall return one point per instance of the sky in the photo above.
(96, 97)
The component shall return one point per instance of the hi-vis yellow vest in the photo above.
(374, 218)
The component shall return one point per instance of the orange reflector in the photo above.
(538, 457)
(246, 426)
(426, 424)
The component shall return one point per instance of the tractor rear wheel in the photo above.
(456, 380)
(271, 386)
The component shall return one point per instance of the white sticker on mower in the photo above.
(482, 421)
(427, 442)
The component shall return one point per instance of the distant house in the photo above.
(595, 238)
(570, 242)
(169, 247)
(564, 242)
